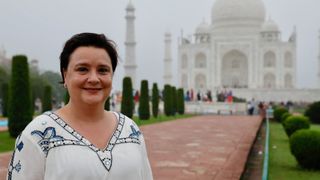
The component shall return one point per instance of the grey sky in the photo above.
(39, 28)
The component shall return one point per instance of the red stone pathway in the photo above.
(201, 148)
(4, 161)
(198, 148)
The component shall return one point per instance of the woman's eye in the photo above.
(82, 69)
(103, 70)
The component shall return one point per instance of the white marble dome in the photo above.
(270, 26)
(203, 28)
(238, 11)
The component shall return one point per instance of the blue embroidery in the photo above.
(17, 167)
(134, 132)
(20, 146)
(47, 136)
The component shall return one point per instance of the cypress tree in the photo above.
(66, 97)
(167, 98)
(5, 93)
(47, 99)
(107, 104)
(144, 107)
(155, 100)
(127, 105)
(174, 100)
(19, 96)
(180, 101)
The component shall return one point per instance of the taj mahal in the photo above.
(241, 50)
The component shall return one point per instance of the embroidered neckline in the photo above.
(105, 155)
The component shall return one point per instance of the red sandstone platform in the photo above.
(198, 148)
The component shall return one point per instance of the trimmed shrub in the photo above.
(47, 99)
(5, 93)
(285, 116)
(294, 123)
(278, 112)
(174, 100)
(144, 107)
(66, 97)
(313, 112)
(180, 101)
(155, 100)
(167, 98)
(127, 105)
(305, 146)
(19, 96)
(107, 104)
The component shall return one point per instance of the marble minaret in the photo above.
(167, 59)
(130, 65)
(318, 77)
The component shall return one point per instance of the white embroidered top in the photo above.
(49, 149)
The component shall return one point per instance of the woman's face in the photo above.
(89, 75)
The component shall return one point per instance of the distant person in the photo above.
(251, 107)
(82, 141)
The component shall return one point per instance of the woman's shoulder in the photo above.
(124, 119)
(39, 123)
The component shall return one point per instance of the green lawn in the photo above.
(282, 165)
(7, 143)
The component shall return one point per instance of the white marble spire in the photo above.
(130, 65)
(318, 77)
(167, 59)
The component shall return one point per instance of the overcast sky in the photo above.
(39, 28)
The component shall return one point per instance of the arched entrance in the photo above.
(234, 72)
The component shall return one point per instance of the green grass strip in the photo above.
(282, 164)
(6, 142)
(266, 153)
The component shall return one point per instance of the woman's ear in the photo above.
(64, 75)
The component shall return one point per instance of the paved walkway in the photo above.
(4, 161)
(201, 148)
(198, 148)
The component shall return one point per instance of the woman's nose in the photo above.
(93, 77)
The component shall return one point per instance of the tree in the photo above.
(54, 80)
(66, 97)
(107, 104)
(37, 85)
(174, 100)
(180, 101)
(5, 93)
(47, 99)
(127, 104)
(155, 100)
(4, 78)
(167, 98)
(144, 107)
(19, 96)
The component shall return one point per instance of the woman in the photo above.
(82, 140)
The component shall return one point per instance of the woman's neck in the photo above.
(84, 112)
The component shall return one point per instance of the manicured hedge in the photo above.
(278, 112)
(20, 110)
(155, 100)
(47, 99)
(305, 146)
(127, 105)
(313, 112)
(180, 101)
(144, 107)
(294, 123)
